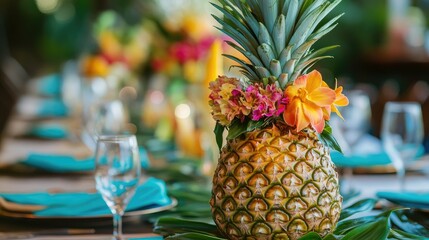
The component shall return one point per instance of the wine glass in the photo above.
(117, 174)
(402, 134)
(106, 117)
(356, 123)
(350, 131)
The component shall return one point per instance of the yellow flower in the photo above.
(340, 101)
(310, 98)
(95, 66)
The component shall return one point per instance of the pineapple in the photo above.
(273, 180)
(275, 183)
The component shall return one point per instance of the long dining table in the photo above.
(15, 178)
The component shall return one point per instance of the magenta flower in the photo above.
(229, 101)
(264, 102)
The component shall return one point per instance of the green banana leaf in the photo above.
(192, 218)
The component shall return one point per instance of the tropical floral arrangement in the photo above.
(118, 46)
(308, 101)
(181, 51)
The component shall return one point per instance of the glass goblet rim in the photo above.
(115, 138)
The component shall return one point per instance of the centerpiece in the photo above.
(275, 178)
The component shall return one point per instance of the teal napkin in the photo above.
(52, 108)
(49, 131)
(64, 163)
(360, 160)
(49, 85)
(365, 159)
(407, 199)
(152, 193)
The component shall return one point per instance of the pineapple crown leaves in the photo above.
(276, 36)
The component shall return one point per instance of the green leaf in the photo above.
(196, 197)
(289, 67)
(234, 20)
(304, 64)
(320, 33)
(329, 140)
(178, 225)
(329, 7)
(264, 36)
(263, 72)
(251, 19)
(266, 53)
(255, 61)
(269, 9)
(330, 23)
(247, 67)
(401, 235)
(311, 236)
(360, 206)
(303, 49)
(319, 52)
(291, 13)
(346, 226)
(304, 28)
(372, 230)
(279, 33)
(403, 222)
(219, 134)
(283, 80)
(236, 129)
(238, 37)
(252, 125)
(286, 55)
(330, 237)
(193, 236)
(275, 68)
(311, 7)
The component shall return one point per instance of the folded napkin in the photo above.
(152, 193)
(49, 85)
(52, 108)
(407, 199)
(64, 163)
(48, 131)
(360, 160)
(365, 159)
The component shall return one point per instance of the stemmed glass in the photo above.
(402, 134)
(357, 121)
(104, 117)
(351, 130)
(117, 174)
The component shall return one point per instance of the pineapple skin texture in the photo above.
(275, 183)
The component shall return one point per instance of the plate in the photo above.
(140, 212)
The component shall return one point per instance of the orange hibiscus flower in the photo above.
(311, 100)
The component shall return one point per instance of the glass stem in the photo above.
(117, 226)
(401, 176)
(348, 175)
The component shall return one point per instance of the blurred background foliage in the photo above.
(45, 33)
(363, 28)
